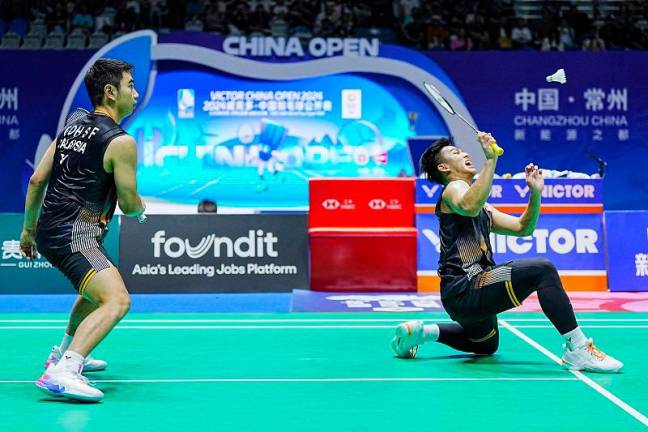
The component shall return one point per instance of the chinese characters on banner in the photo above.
(545, 116)
(9, 124)
(641, 264)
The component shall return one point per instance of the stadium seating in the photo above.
(76, 40)
(11, 40)
(32, 41)
(54, 40)
(97, 40)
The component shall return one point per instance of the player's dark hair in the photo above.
(207, 206)
(430, 159)
(104, 71)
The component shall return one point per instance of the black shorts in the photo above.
(80, 267)
(491, 292)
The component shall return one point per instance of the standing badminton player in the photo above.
(271, 137)
(473, 288)
(89, 167)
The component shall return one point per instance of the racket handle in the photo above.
(499, 151)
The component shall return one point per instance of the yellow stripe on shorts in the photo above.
(488, 336)
(86, 280)
(511, 293)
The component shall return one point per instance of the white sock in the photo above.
(65, 343)
(430, 333)
(575, 338)
(71, 361)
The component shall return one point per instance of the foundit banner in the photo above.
(215, 253)
(573, 243)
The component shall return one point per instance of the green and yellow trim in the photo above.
(86, 279)
(511, 293)
(492, 333)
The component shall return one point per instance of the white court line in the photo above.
(180, 321)
(615, 400)
(224, 327)
(313, 320)
(583, 320)
(282, 327)
(588, 326)
(316, 380)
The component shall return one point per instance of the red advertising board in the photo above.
(362, 235)
(365, 203)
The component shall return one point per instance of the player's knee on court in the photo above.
(546, 266)
(533, 274)
(548, 273)
(489, 346)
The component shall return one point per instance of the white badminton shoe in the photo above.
(590, 359)
(409, 335)
(59, 382)
(89, 364)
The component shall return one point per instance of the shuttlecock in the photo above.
(559, 77)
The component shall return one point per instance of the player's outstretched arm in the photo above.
(121, 160)
(525, 224)
(35, 191)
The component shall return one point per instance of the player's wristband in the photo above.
(139, 214)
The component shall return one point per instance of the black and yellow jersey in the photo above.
(465, 248)
(81, 196)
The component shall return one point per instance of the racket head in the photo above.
(436, 95)
(76, 115)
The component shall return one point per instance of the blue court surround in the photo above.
(150, 303)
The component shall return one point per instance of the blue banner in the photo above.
(516, 192)
(250, 143)
(314, 301)
(598, 111)
(626, 236)
(574, 244)
(30, 104)
(246, 121)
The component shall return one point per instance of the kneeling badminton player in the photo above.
(473, 288)
(88, 168)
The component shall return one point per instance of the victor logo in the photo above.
(430, 190)
(558, 240)
(433, 238)
(542, 241)
(560, 191)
